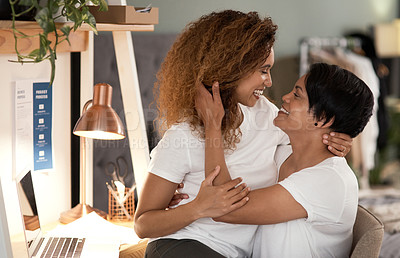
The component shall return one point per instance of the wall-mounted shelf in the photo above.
(78, 39)
(6, 24)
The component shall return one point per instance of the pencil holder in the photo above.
(121, 208)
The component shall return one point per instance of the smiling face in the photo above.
(295, 116)
(251, 87)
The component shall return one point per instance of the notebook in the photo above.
(58, 245)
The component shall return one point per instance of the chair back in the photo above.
(367, 235)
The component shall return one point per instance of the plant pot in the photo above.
(5, 12)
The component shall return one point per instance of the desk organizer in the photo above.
(116, 210)
(124, 15)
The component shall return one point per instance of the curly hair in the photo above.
(222, 46)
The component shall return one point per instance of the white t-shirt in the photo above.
(179, 157)
(329, 194)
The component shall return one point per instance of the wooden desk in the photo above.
(19, 247)
(18, 241)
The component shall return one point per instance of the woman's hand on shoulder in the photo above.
(215, 201)
(209, 107)
(338, 143)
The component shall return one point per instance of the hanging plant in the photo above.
(75, 11)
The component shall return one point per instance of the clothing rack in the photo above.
(323, 42)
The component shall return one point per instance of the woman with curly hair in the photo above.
(235, 49)
(224, 46)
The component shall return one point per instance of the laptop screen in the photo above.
(28, 206)
(62, 244)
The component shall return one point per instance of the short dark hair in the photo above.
(335, 93)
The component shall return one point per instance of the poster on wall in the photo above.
(33, 126)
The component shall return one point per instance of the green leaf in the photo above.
(73, 14)
(66, 30)
(84, 12)
(53, 6)
(103, 6)
(34, 54)
(91, 21)
(44, 46)
(36, 4)
(25, 2)
(44, 19)
(80, 15)
(77, 24)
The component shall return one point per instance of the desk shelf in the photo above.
(78, 38)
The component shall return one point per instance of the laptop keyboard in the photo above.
(58, 247)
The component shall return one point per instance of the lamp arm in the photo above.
(83, 159)
(85, 107)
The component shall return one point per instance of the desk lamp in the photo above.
(100, 121)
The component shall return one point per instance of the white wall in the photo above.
(54, 188)
(296, 19)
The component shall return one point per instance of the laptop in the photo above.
(58, 245)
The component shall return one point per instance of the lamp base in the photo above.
(78, 211)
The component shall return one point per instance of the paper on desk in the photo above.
(94, 226)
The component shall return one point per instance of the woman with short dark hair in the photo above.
(311, 210)
(331, 97)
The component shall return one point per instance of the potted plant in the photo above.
(75, 12)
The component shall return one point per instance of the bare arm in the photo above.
(269, 205)
(152, 219)
(265, 206)
(210, 109)
(215, 155)
(151, 206)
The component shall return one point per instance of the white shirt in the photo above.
(329, 194)
(179, 157)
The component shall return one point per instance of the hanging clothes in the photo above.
(368, 50)
(365, 71)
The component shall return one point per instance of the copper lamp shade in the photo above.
(100, 121)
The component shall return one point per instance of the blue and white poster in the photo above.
(42, 125)
(33, 126)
